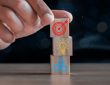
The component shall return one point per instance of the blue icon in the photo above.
(60, 66)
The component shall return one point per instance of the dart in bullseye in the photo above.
(60, 28)
(63, 24)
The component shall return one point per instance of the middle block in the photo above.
(62, 46)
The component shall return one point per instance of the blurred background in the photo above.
(90, 30)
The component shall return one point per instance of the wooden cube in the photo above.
(60, 65)
(62, 46)
(60, 28)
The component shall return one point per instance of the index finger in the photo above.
(43, 11)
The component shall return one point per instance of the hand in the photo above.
(20, 18)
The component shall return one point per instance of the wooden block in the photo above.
(60, 28)
(62, 46)
(60, 65)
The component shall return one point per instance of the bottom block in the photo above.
(60, 65)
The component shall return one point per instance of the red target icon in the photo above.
(59, 28)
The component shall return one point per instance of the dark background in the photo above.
(90, 30)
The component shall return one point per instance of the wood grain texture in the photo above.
(81, 74)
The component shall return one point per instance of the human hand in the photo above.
(21, 18)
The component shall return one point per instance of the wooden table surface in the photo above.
(39, 74)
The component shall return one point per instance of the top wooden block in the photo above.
(60, 28)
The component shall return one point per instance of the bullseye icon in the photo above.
(59, 28)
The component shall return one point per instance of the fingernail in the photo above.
(48, 18)
(71, 17)
(3, 45)
(13, 40)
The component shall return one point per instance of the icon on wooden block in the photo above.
(60, 27)
(62, 46)
(60, 65)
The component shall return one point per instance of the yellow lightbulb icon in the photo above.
(62, 47)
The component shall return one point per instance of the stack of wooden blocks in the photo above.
(62, 47)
